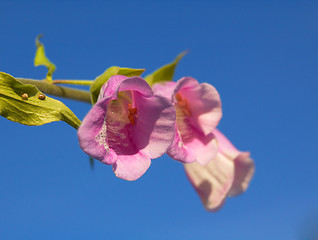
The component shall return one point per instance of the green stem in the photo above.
(52, 89)
(74, 82)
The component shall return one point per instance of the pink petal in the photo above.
(178, 151)
(228, 174)
(244, 165)
(90, 128)
(155, 126)
(131, 167)
(206, 148)
(200, 148)
(226, 146)
(212, 181)
(204, 103)
(185, 83)
(122, 83)
(110, 88)
(164, 89)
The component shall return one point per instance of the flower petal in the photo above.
(206, 148)
(244, 165)
(203, 101)
(155, 126)
(212, 181)
(110, 88)
(122, 83)
(131, 167)
(244, 171)
(198, 148)
(164, 89)
(90, 128)
(226, 147)
(178, 151)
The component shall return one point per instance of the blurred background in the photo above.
(261, 56)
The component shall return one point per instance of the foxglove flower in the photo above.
(128, 126)
(198, 110)
(227, 175)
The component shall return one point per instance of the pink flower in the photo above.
(227, 175)
(198, 110)
(128, 126)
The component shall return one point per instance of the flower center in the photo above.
(183, 104)
(132, 114)
(183, 119)
(120, 119)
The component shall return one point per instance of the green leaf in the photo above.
(164, 73)
(129, 72)
(41, 59)
(25, 104)
(100, 80)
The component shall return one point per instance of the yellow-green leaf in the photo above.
(25, 104)
(100, 80)
(129, 72)
(164, 73)
(41, 59)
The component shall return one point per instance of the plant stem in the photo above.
(74, 82)
(52, 89)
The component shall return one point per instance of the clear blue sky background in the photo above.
(262, 56)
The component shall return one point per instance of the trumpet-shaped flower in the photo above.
(227, 175)
(198, 110)
(128, 126)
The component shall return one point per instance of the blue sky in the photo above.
(261, 56)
